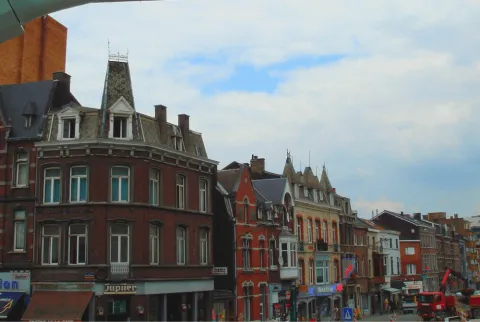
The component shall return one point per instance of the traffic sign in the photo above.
(347, 314)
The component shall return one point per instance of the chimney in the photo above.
(63, 79)
(376, 210)
(401, 213)
(161, 117)
(184, 125)
(417, 216)
(334, 190)
(456, 216)
(257, 165)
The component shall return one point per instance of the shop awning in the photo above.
(391, 290)
(8, 301)
(56, 306)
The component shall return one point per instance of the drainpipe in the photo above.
(35, 209)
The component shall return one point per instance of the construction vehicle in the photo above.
(439, 305)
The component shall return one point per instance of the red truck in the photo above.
(438, 305)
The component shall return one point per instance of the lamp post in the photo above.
(293, 302)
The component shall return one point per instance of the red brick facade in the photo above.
(36, 54)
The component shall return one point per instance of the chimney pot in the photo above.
(401, 213)
(63, 78)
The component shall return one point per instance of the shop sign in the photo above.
(329, 289)
(63, 286)
(220, 271)
(12, 281)
(120, 289)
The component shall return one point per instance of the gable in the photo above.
(69, 111)
(122, 107)
(245, 187)
(288, 189)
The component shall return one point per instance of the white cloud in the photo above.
(408, 87)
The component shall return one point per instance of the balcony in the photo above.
(119, 271)
(321, 246)
(288, 272)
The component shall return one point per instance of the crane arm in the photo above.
(15, 13)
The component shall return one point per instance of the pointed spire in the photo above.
(325, 181)
(117, 81)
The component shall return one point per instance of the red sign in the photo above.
(348, 271)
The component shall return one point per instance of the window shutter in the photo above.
(252, 214)
(240, 213)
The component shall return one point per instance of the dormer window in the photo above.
(69, 127)
(28, 121)
(121, 120)
(178, 144)
(120, 127)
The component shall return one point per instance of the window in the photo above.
(301, 271)
(19, 231)
(311, 275)
(396, 243)
(317, 230)
(120, 184)
(51, 186)
(181, 246)
(204, 251)
(69, 126)
(334, 232)
(78, 184)
(321, 271)
(362, 266)
(411, 269)
(248, 303)
(245, 210)
(120, 127)
(391, 244)
(246, 253)
(77, 244)
(21, 170)
(154, 186)
(309, 230)
(180, 191)
(391, 265)
(289, 254)
(271, 252)
(262, 254)
(355, 242)
(203, 195)
(119, 243)
(398, 266)
(324, 231)
(299, 229)
(50, 244)
(409, 251)
(28, 121)
(154, 245)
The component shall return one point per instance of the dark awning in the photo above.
(8, 301)
(397, 284)
(54, 306)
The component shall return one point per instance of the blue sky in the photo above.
(385, 93)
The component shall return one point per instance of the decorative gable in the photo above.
(121, 120)
(68, 124)
(121, 107)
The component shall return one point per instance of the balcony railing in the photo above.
(119, 271)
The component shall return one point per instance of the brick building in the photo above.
(417, 248)
(117, 190)
(22, 107)
(360, 248)
(35, 55)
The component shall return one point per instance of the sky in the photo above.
(384, 93)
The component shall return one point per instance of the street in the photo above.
(386, 317)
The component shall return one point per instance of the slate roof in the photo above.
(360, 223)
(371, 224)
(405, 217)
(272, 189)
(32, 98)
(229, 179)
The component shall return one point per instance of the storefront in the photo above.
(135, 301)
(327, 298)
(412, 287)
(14, 294)
(306, 304)
(223, 306)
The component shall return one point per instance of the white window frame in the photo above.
(119, 237)
(309, 230)
(324, 267)
(21, 161)
(409, 250)
(181, 234)
(78, 178)
(18, 221)
(68, 116)
(154, 187)
(52, 179)
(154, 236)
(128, 122)
(70, 120)
(204, 246)
(180, 190)
(50, 239)
(324, 231)
(77, 236)
(411, 269)
(119, 178)
(203, 191)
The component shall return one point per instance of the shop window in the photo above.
(247, 303)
